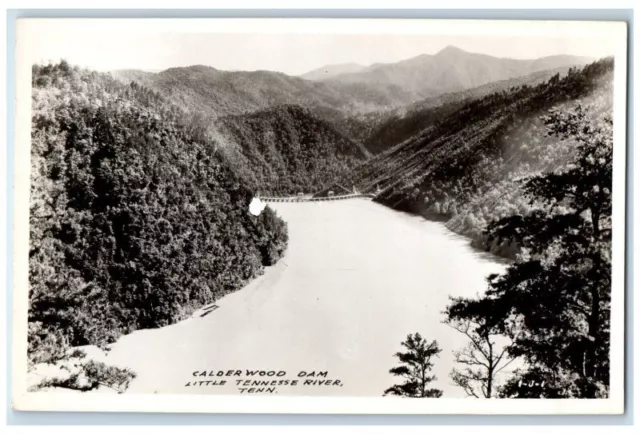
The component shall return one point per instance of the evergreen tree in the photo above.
(554, 301)
(415, 365)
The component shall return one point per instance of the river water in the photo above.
(357, 277)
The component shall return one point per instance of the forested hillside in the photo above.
(552, 306)
(208, 94)
(135, 219)
(463, 168)
(286, 149)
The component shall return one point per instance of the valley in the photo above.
(393, 197)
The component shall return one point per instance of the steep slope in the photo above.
(329, 71)
(135, 221)
(275, 148)
(397, 125)
(286, 149)
(451, 70)
(464, 168)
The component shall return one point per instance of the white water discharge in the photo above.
(356, 279)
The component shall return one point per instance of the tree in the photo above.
(554, 300)
(80, 373)
(483, 357)
(135, 219)
(415, 365)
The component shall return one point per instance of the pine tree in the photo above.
(415, 365)
(554, 301)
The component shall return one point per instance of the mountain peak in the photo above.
(450, 49)
(190, 70)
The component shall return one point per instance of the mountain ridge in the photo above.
(219, 93)
(453, 69)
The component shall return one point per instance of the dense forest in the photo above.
(552, 307)
(135, 219)
(463, 168)
(286, 149)
(281, 134)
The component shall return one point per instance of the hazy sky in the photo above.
(293, 48)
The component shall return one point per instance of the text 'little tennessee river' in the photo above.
(258, 381)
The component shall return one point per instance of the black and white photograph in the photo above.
(320, 215)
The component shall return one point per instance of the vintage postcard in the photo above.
(320, 216)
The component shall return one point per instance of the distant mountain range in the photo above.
(349, 88)
(218, 93)
(449, 70)
(397, 125)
